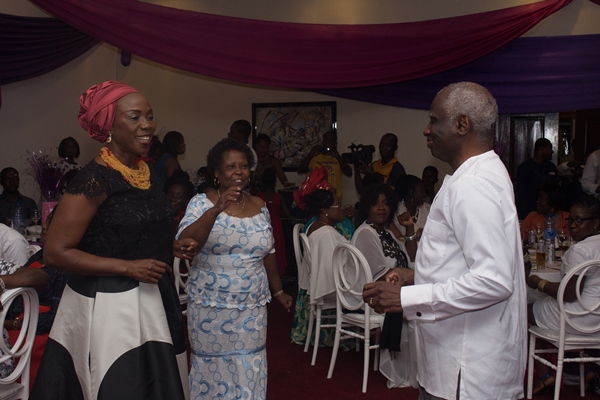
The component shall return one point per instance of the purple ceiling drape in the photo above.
(297, 55)
(31, 47)
(535, 74)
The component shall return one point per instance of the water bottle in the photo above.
(550, 239)
(19, 219)
(550, 229)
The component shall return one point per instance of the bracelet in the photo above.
(2, 285)
(411, 237)
(15, 323)
(541, 285)
(277, 293)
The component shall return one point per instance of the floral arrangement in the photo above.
(46, 173)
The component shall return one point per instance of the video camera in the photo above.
(359, 154)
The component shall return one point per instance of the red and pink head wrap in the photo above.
(98, 105)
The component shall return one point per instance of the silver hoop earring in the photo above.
(109, 137)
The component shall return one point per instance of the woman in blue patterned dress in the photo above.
(228, 284)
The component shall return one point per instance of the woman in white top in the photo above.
(322, 237)
(411, 194)
(383, 252)
(584, 224)
(376, 242)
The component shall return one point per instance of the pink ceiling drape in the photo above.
(297, 55)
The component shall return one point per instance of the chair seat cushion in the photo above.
(374, 319)
(570, 339)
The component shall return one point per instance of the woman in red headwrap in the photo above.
(118, 328)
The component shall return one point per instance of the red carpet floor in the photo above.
(292, 377)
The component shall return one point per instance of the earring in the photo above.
(109, 137)
(216, 182)
(327, 215)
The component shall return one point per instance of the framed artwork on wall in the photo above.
(294, 128)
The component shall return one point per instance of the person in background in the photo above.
(204, 182)
(68, 152)
(240, 130)
(411, 193)
(430, 178)
(13, 246)
(179, 191)
(531, 174)
(326, 209)
(155, 150)
(173, 145)
(388, 165)
(327, 154)
(584, 223)
(467, 292)
(550, 199)
(262, 145)
(590, 180)
(49, 293)
(277, 209)
(378, 206)
(229, 280)
(112, 233)
(11, 198)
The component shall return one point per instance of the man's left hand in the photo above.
(382, 297)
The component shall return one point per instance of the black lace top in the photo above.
(130, 224)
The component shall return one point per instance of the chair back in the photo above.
(299, 250)
(32, 249)
(180, 277)
(306, 266)
(20, 351)
(351, 272)
(570, 317)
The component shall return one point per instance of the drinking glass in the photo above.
(564, 240)
(539, 231)
(35, 216)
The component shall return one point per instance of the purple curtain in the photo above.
(297, 55)
(30, 47)
(536, 74)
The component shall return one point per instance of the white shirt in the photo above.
(469, 298)
(322, 242)
(590, 178)
(366, 239)
(13, 246)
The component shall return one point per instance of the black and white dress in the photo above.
(115, 337)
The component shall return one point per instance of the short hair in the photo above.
(370, 197)
(474, 101)
(319, 200)
(63, 144)
(556, 197)
(262, 137)
(171, 141)
(590, 203)
(242, 126)
(215, 155)
(432, 169)
(182, 178)
(541, 142)
(406, 185)
(392, 135)
(6, 171)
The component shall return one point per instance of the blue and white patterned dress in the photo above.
(228, 291)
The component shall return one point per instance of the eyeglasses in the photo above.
(577, 221)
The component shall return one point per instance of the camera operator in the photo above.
(388, 165)
(327, 154)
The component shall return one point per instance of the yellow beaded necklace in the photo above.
(138, 178)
